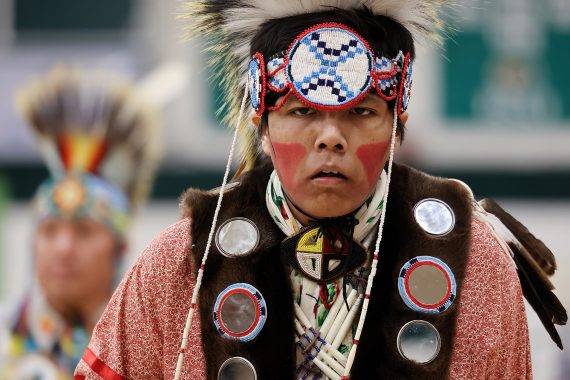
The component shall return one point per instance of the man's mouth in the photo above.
(329, 173)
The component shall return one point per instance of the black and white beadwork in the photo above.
(329, 66)
(386, 77)
(257, 83)
(277, 81)
(407, 87)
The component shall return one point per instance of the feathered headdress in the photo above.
(229, 27)
(99, 141)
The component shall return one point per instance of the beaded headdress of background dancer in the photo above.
(230, 26)
(100, 142)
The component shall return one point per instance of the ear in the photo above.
(122, 248)
(265, 141)
(398, 144)
(404, 117)
(255, 120)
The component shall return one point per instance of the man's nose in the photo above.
(330, 134)
(64, 242)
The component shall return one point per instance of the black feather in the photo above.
(535, 263)
(541, 254)
(545, 303)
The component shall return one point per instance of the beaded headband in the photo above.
(82, 195)
(329, 67)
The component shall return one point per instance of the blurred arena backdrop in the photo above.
(492, 109)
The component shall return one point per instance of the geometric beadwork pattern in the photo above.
(257, 83)
(276, 74)
(407, 91)
(329, 66)
(387, 80)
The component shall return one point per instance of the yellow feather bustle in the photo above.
(94, 122)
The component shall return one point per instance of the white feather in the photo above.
(502, 234)
(420, 17)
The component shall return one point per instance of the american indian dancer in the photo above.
(322, 258)
(98, 138)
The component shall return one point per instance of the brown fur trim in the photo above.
(273, 352)
(403, 239)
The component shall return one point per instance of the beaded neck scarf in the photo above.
(319, 311)
(367, 215)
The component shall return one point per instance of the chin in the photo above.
(326, 211)
(329, 204)
(63, 291)
(62, 296)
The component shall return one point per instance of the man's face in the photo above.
(329, 161)
(75, 262)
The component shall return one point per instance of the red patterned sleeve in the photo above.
(492, 333)
(140, 331)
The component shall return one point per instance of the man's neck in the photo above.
(85, 313)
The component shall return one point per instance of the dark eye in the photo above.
(83, 228)
(302, 111)
(361, 111)
(48, 228)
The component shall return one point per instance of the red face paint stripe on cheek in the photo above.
(372, 158)
(287, 159)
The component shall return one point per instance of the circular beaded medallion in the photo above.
(240, 312)
(330, 66)
(426, 284)
(69, 195)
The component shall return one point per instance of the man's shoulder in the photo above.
(176, 235)
(487, 251)
(169, 250)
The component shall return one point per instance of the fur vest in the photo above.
(272, 352)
